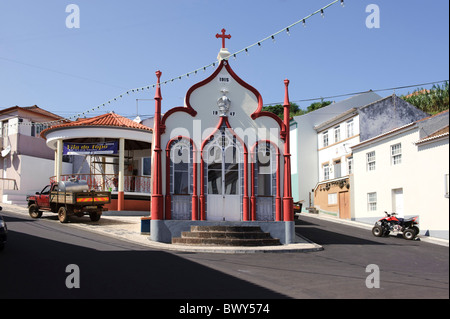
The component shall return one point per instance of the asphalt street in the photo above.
(33, 265)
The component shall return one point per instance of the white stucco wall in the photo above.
(336, 150)
(305, 150)
(35, 172)
(421, 176)
(244, 103)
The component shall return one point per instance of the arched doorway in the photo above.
(223, 165)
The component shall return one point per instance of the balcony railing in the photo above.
(8, 183)
(110, 182)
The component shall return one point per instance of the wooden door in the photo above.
(344, 205)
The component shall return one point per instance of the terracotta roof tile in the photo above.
(109, 119)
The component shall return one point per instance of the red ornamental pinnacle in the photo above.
(223, 36)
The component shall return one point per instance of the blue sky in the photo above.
(120, 45)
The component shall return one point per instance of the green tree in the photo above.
(279, 109)
(430, 101)
(295, 109)
(317, 105)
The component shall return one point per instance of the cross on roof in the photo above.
(223, 36)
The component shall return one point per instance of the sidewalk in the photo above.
(129, 228)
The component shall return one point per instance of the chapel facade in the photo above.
(220, 159)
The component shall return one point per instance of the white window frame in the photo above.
(372, 202)
(337, 134)
(371, 161)
(396, 154)
(326, 172)
(325, 139)
(350, 165)
(446, 186)
(332, 199)
(350, 128)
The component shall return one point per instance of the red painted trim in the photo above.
(257, 113)
(157, 205)
(130, 205)
(202, 83)
(120, 201)
(166, 115)
(288, 202)
(194, 177)
(278, 192)
(273, 116)
(168, 199)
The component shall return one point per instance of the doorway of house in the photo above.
(344, 205)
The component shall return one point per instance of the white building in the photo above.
(406, 171)
(304, 143)
(335, 163)
(335, 137)
(25, 162)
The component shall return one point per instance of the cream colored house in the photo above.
(335, 138)
(406, 171)
(25, 161)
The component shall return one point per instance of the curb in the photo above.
(135, 236)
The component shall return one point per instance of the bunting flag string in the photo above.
(194, 72)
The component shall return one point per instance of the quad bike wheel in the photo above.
(409, 234)
(377, 231)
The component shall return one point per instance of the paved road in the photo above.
(408, 269)
(34, 265)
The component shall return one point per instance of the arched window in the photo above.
(181, 179)
(266, 183)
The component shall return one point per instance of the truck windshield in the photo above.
(46, 190)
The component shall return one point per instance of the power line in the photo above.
(213, 64)
(361, 92)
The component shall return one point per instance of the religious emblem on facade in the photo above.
(223, 103)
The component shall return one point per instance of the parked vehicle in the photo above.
(390, 223)
(67, 199)
(3, 232)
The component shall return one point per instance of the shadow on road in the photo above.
(35, 267)
(322, 236)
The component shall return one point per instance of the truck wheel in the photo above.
(94, 216)
(34, 212)
(63, 216)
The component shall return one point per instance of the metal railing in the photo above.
(110, 182)
(8, 182)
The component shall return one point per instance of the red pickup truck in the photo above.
(67, 199)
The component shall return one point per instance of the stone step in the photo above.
(218, 235)
(225, 228)
(226, 236)
(226, 241)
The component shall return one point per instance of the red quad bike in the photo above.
(391, 223)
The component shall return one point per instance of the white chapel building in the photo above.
(220, 159)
